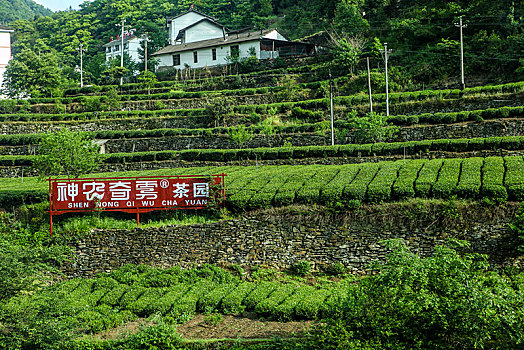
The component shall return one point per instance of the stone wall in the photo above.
(286, 236)
(150, 123)
(490, 128)
(20, 171)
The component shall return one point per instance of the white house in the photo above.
(198, 40)
(5, 49)
(131, 45)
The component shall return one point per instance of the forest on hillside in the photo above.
(422, 34)
(13, 10)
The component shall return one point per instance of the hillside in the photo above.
(424, 41)
(271, 204)
(14, 10)
(403, 234)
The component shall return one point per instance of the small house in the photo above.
(5, 50)
(197, 40)
(131, 45)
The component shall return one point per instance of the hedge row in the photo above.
(431, 94)
(510, 143)
(299, 113)
(252, 187)
(323, 102)
(170, 95)
(457, 117)
(105, 302)
(196, 83)
(472, 178)
(44, 117)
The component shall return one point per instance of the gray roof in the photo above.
(118, 41)
(230, 39)
(5, 28)
(191, 10)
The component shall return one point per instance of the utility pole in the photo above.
(146, 40)
(460, 26)
(386, 54)
(81, 50)
(122, 48)
(331, 110)
(369, 87)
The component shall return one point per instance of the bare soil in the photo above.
(245, 326)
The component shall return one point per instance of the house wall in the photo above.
(180, 23)
(275, 35)
(5, 52)
(132, 50)
(205, 57)
(203, 31)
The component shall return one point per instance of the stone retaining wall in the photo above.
(16, 171)
(490, 128)
(282, 239)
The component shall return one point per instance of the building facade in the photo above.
(131, 45)
(5, 50)
(197, 41)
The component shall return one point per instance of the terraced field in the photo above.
(450, 144)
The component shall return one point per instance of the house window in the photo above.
(235, 51)
(195, 57)
(214, 54)
(176, 60)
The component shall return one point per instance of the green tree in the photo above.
(373, 127)
(147, 80)
(449, 300)
(31, 73)
(346, 53)
(66, 153)
(240, 134)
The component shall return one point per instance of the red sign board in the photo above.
(134, 194)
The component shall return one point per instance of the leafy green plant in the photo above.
(213, 319)
(240, 134)
(517, 227)
(66, 153)
(374, 127)
(444, 301)
(301, 268)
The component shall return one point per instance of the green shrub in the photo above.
(493, 179)
(447, 178)
(514, 179)
(309, 307)
(379, 189)
(444, 301)
(232, 303)
(301, 268)
(470, 178)
(404, 186)
(268, 306)
(211, 301)
(427, 177)
(358, 187)
(259, 293)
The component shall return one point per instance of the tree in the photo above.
(147, 80)
(450, 300)
(29, 73)
(346, 52)
(374, 127)
(66, 153)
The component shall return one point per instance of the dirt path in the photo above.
(232, 327)
(248, 327)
